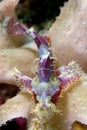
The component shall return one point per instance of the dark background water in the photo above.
(36, 12)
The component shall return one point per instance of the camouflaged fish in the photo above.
(48, 83)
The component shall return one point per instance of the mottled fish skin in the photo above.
(48, 83)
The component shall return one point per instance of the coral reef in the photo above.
(68, 33)
(51, 97)
(12, 52)
(54, 98)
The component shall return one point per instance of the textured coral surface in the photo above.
(68, 33)
(43, 96)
